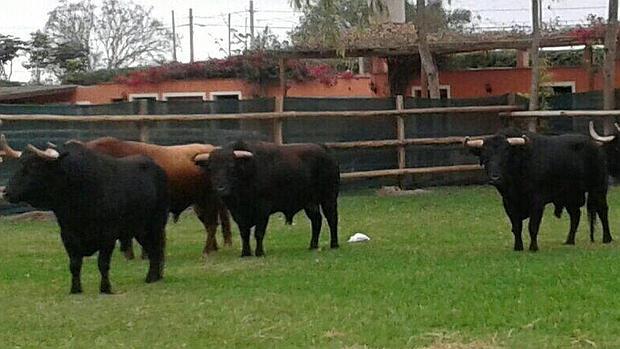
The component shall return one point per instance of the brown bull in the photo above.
(186, 182)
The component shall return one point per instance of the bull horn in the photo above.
(51, 145)
(202, 157)
(8, 151)
(517, 140)
(48, 154)
(73, 141)
(597, 137)
(241, 154)
(617, 126)
(476, 143)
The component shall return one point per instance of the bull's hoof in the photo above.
(607, 240)
(106, 291)
(313, 247)
(246, 254)
(533, 248)
(76, 290)
(259, 254)
(152, 278)
(518, 248)
(334, 245)
(569, 242)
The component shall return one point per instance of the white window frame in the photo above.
(214, 94)
(166, 95)
(133, 96)
(570, 84)
(419, 88)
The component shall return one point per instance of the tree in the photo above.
(70, 26)
(116, 34)
(128, 35)
(9, 47)
(39, 53)
(429, 68)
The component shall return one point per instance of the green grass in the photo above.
(439, 271)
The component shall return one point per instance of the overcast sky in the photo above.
(19, 18)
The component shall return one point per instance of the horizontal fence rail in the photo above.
(399, 114)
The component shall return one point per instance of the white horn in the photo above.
(517, 140)
(8, 151)
(239, 154)
(202, 157)
(48, 154)
(597, 137)
(477, 143)
(617, 126)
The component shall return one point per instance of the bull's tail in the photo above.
(558, 210)
(591, 206)
(289, 219)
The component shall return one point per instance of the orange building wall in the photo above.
(105, 93)
(463, 84)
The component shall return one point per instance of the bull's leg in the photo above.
(208, 216)
(603, 215)
(75, 265)
(517, 228)
(127, 248)
(330, 211)
(575, 215)
(224, 216)
(155, 247)
(259, 234)
(103, 262)
(316, 220)
(245, 241)
(534, 224)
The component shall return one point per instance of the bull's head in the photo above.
(496, 155)
(31, 183)
(227, 168)
(611, 146)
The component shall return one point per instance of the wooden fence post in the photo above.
(400, 135)
(277, 123)
(143, 109)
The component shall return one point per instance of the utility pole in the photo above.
(174, 40)
(229, 35)
(251, 22)
(609, 69)
(534, 87)
(191, 36)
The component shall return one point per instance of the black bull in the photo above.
(258, 179)
(97, 199)
(531, 170)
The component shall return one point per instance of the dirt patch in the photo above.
(33, 216)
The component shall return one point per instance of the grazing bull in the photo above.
(531, 170)
(258, 179)
(97, 199)
(187, 183)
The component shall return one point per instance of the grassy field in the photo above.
(439, 272)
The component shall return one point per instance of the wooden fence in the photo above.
(400, 142)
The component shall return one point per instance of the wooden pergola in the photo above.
(439, 46)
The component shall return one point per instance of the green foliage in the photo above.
(9, 48)
(439, 272)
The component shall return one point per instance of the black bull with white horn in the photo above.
(531, 170)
